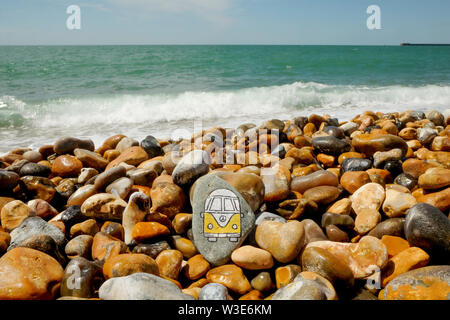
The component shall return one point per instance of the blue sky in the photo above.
(43, 22)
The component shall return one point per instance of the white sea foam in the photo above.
(158, 114)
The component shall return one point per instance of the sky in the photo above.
(294, 22)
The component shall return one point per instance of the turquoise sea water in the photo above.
(97, 91)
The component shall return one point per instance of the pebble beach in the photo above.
(308, 208)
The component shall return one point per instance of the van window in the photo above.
(236, 204)
(216, 205)
(228, 204)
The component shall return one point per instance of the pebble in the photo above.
(114, 229)
(182, 222)
(88, 227)
(33, 156)
(152, 147)
(72, 215)
(42, 208)
(231, 276)
(330, 145)
(427, 283)
(283, 240)
(355, 164)
(196, 267)
(394, 245)
(35, 226)
(79, 246)
(34, 169)
(91, 159)
(68, 144)
(120, 187)
(440, 199)
(8, 180)
(81, 278)
(361, 257)
(107, 177)
(46, 244)
(21, 278)
(167, 198)
(428, 228)
(324, 263)
(380, 158)
(80, 195)
(406, 180)
(322, 194)
(143, 231)
(132, 156)
(339, 220)
(232, 228)
(397, 203)
(391, 227)
(366, 220)
(105, 247)
(192, 166)
(434, 178)
(186, 246)
(135, 212)
(406, 260)
(335, 234)
(169, 263)
(66, 166)
(126, 143)
(370, 143)
(252, 258)
(313, 232)
(103, 206)
(315, 179)
(14, 213)
(142, 177)
(126, 264)
(369, 196)
(262, 282)
(353, 180)
(343, 206)
(151, 249)
(213, 291)
(141, 286)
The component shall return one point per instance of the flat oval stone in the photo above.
(141, 286)
(34, 169)
(82, 194)
(335, 234)
(143, 231)
(283, 240)
(152, 249)
(339, 220)
(222, 219)
(21, 278)
(66, 166)
(330, 145)
(373, 142)
(120, 187)
(125, 264)
(231, 276)
(435, 178)
(81, 279)
(427, 283)
(252, 258)
(380, 157)
(313, 232)
(132, 156)
(322, 194)
(91, 159)
(68, 144)
(391, 227)
(8, 180)
(353, 180)
(428, 228)
(356, 164)
(213, 291)
(103, 206)
(276, 183)
(321, 261)
(406, 180)
(315, 179)
(366, 220)
(109, 176)
(192, 166)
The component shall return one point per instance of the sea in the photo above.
(48, 92)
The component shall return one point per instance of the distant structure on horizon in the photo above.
(424, 44)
